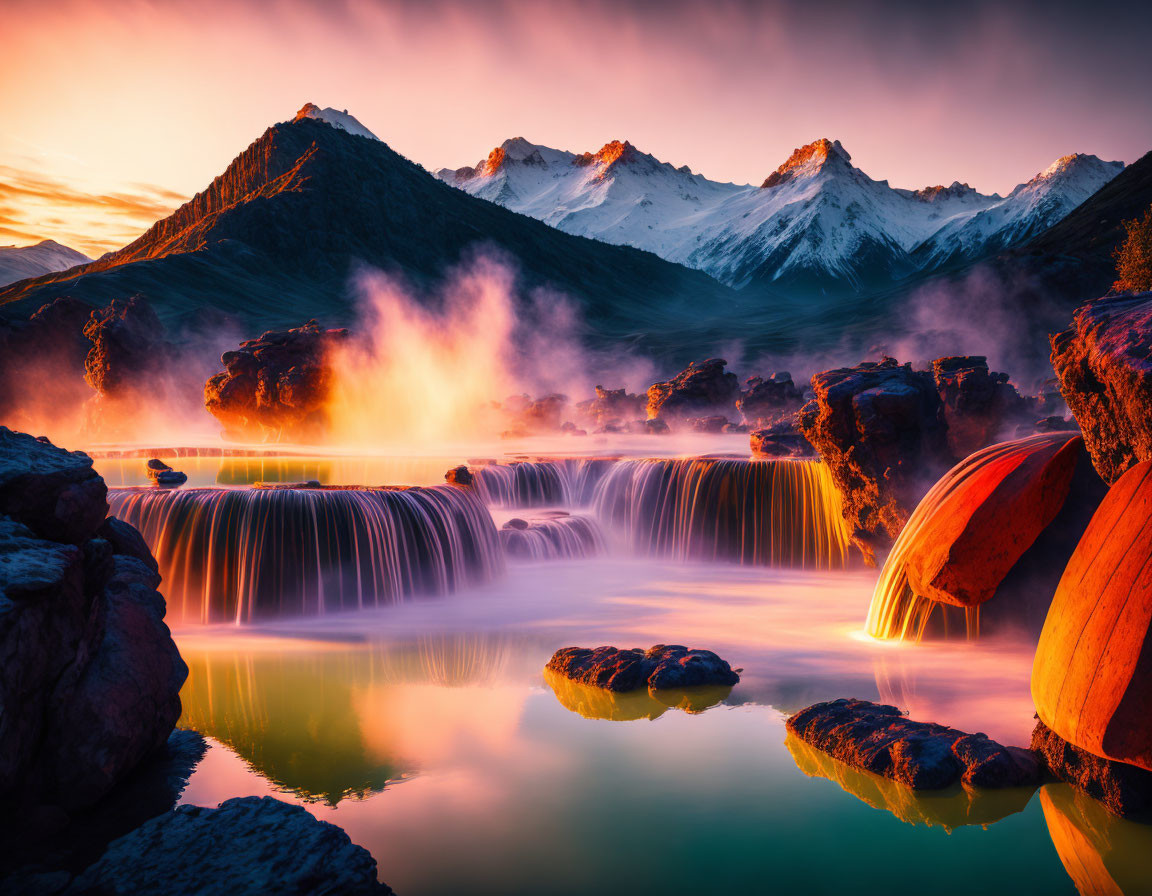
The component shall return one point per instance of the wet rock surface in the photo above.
(245, 845)
(275, 387)
(702, 389)
(1123, 789)
(1104, 364)
(91, 676)
(658, 667)
(921, 755)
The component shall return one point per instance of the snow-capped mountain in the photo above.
(46, 257)
(336, 118)
(1028, 210)
(816, 221)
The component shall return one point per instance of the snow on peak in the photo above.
(337, 119)
(808, 159)
(1077, 164)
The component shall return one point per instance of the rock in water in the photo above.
(1104, 362)
(921, 755)
(1124, 789)
(702, 389)
(662, 666)
(163, 475)
(245, 845)
(276, 386)
(1092, 676)
(89, 675)
(879, 430)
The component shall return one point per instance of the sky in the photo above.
(117, 110)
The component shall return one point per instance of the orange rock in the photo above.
(1092, 677)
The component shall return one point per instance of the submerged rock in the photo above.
(662, 666)
(1091, 677)
(702, 389)
(245, 845)
(276, 386)
(1123, 789)
(1104, 363)
(89, 675)
(920, 755)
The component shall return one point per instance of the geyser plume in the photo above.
(435, 371)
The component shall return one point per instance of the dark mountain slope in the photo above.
(275, 238)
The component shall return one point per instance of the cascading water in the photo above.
(559, 538)
(244, 554)
(567, 482)
(773, 513)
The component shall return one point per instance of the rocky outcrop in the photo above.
(526, 416)
(1001, 524)
(1092, 673)
(1124, 789)
(920, 755)
(978, 406)
(702, 389)
(271, 846)
(1104, 364)
(780, 440)
(128, 348)
(659, 667)
(878, 428)
(90, 675)
(610, 407)
(769, 401)
(276, 387)
(42, 359)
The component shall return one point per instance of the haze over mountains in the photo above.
(817, 222)
(45, 257)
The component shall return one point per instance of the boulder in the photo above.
(769, 401)
(921, 755)
(460, 475)
(659, 667)
(163, 475)
(702, 389)
(1001, 523)
(780, 440)
(1092, 675)
(89, 675)
(1123, 789)
(277, 386)
(979, 407)
(269, 846)
(878, 427)
(1104, 364)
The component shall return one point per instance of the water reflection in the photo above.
(1104, 855)
(598, 703)
(951, 808)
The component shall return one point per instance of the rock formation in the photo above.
(780, 440)
(1104, 363)
(275, 387)
(163, 475)
(979, 407)
(1002, 524)
(593, 702)
(610, 407)
(1092, 678)
(43, 357)
(534, 416)
(271, 846)
(659, 667)
(1123, 789)
(91, 676)
(769, 401)
(920, 755)
(702, 389)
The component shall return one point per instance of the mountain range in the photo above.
(816, 223)
(45, 257)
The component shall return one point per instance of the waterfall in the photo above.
(772, 513)
(244, 554)
(568, 482)
(560, 538)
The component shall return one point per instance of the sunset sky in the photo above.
(115, 111)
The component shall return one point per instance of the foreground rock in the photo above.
(1091, 678)
(245, 845)
(1001, 524)
(659, 667)
(90, 676)
(702, 389)
(276, 387)
(1123, 789)
(1104, 364)
(920, 755)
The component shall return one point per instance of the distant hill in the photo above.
(48, 256)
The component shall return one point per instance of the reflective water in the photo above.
(428, 731)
